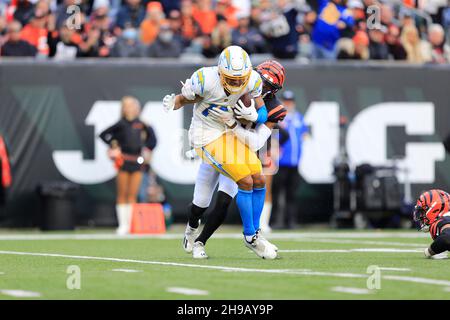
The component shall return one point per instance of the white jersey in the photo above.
(206, 83)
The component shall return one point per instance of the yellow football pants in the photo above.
(231, 157)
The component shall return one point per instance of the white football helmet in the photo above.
(235, 69)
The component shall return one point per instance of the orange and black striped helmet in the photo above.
(430, 206)
(273, 75)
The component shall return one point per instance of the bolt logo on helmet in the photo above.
(430, 206)
(235, 69)
(273, 75)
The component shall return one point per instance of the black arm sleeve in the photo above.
(151, 138)
(110, 134)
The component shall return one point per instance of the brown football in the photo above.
(246, 99)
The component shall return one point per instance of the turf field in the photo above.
(311, 265)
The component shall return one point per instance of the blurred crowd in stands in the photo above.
(411, 30)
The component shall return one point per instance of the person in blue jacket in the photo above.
(333, 17)
(292, 132)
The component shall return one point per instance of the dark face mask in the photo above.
(419, 216)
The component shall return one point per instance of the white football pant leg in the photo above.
(205, 184)
(228, 186)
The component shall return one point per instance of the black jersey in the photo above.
(275, 109)
(436, 227)
(131, 136)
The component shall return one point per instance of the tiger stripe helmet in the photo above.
(273, 75)
(235, 69)
(430, 206)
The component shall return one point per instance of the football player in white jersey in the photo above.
(219, 88)
(273, 76)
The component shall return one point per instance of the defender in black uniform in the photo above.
(272, 73)
(131, 143)
(432, 213)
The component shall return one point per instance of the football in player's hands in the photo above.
(245, 101)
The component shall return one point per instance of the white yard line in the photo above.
(171, 236)
(351, 290)
(188, 291)
(224, 268)
(343, 241)
(382, 250)
(126, 270)
(394, 269)
(20, 293)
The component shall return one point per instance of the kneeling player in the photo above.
(273, 76)
(432, 212)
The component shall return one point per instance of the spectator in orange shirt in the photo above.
(190, 27)
(152, 22)
(36, 32)
(205, 16)
(226, 9)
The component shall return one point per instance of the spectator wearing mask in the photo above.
(131, 13)
(150, 26)
(414, 46)
(287, 179)
(15, 46)
(205, 16)
(392, 38)
(128, 45)
(247, 37)
(378, 50)
(437, 50)
(333, 17)
(166, 45)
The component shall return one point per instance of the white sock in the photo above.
(249, 238)
(129, 215)
(265, 216)
(122, 218)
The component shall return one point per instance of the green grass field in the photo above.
(311, 265)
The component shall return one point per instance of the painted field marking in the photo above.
(20, 293)
(395, 269)
(437, 282)
(126, 270)
(447, 289)
(351, 290)
(342, 241)
(172, 236)
(188, 291)
(382, 250)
